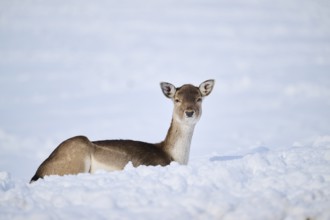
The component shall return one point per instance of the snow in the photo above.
(260, 151)
(263, 184)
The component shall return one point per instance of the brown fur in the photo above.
(139, 153)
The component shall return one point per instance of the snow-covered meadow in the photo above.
(260, 151)
(286, 184)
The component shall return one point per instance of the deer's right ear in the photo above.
(168, 89)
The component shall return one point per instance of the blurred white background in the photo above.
(93, 68)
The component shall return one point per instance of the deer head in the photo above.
(187, 100)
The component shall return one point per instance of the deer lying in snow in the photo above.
(79, 155)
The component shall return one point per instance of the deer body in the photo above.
(79, 154)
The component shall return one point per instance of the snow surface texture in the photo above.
(260, 151)
(290, 184)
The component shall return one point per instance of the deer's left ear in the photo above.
(168, 89)
(206, 87)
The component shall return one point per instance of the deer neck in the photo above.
(178, 140)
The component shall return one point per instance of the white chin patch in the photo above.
(192, 119)
(186, 119)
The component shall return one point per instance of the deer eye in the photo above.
(177, 100)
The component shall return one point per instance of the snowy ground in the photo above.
(289, 184)
(260, 151)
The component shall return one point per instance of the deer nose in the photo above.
(189, 113)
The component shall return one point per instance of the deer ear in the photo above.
(206, 87)
(168, 89)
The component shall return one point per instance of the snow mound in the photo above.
(262, 184)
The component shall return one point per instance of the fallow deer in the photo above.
(79, 154)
